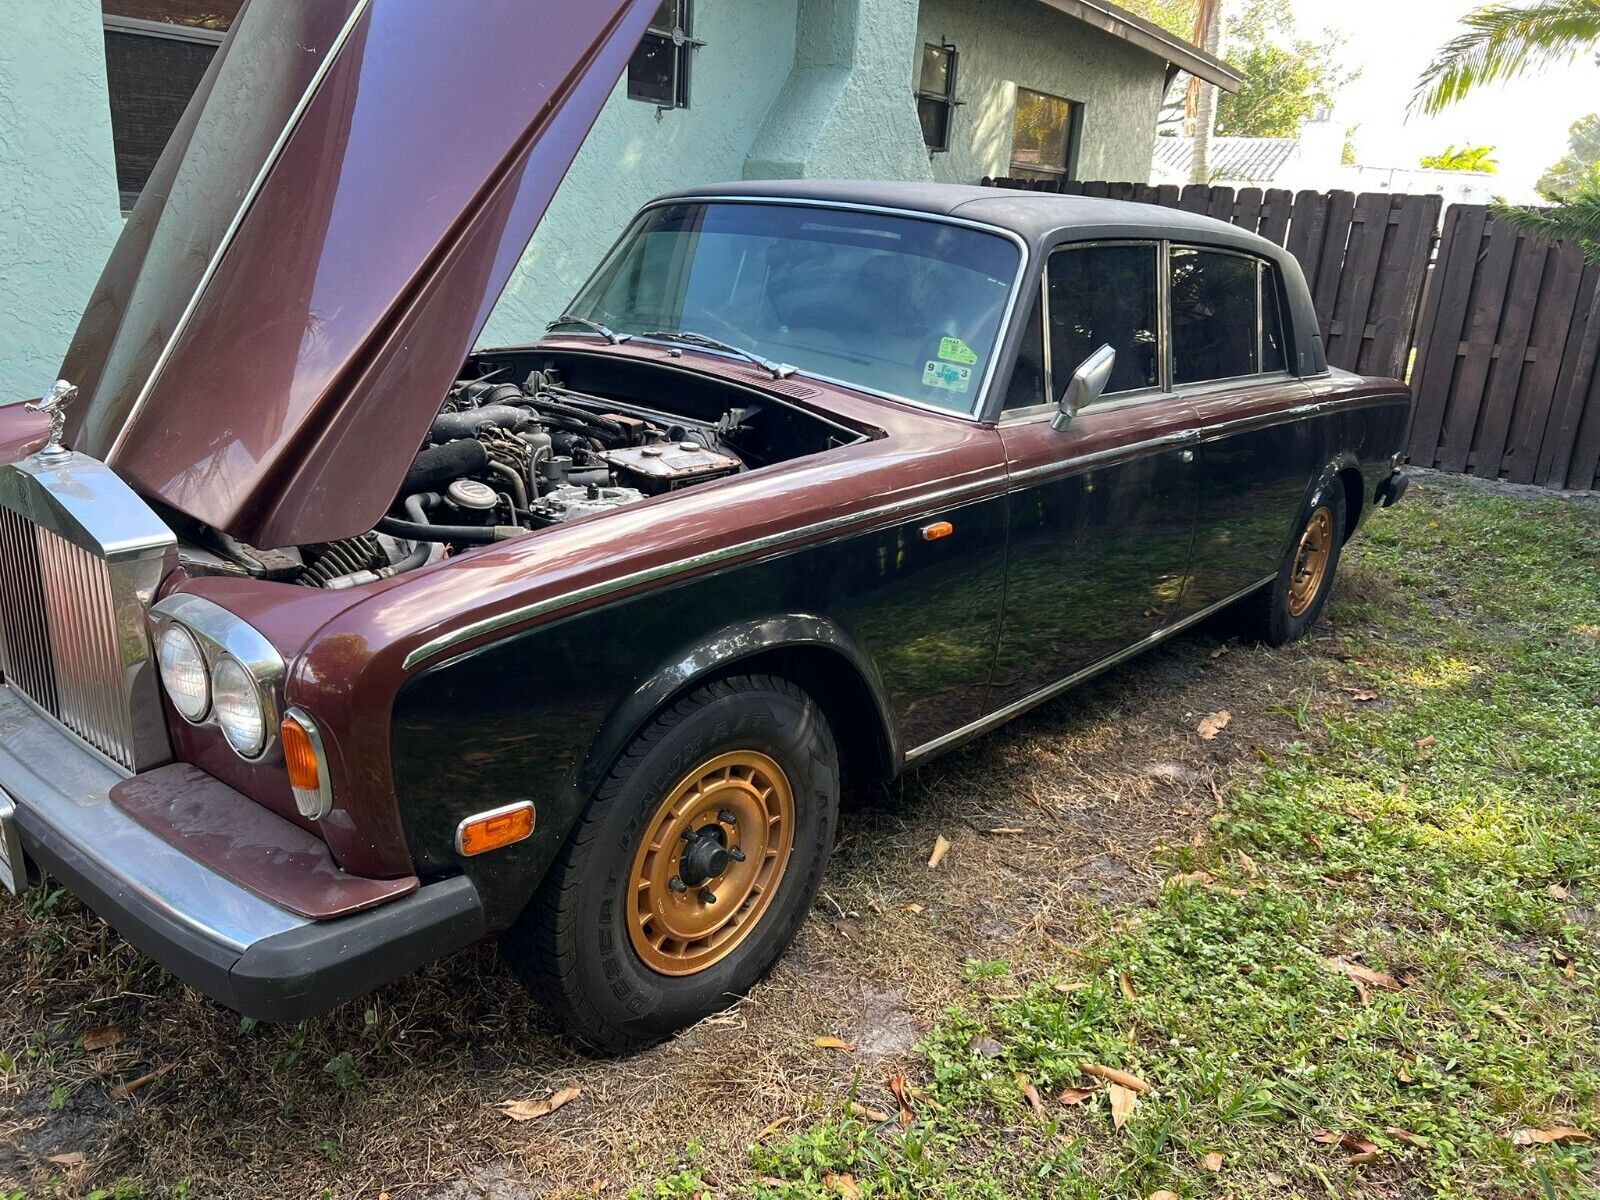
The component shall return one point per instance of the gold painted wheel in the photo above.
(1311, 561)
(712, 859)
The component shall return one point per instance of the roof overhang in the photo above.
(1120, 23)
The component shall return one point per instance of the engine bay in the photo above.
(527, 441)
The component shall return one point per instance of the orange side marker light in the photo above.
(493, 830)
(939, 529)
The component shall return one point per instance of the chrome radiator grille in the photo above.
(80, 557)
(58, 635)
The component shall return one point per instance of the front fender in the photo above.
(715, 655)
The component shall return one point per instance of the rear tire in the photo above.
(612, 944)
(1285, 610)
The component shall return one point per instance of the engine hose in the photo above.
(547, 404)
(466, 535)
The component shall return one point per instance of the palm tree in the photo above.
(1503, 41)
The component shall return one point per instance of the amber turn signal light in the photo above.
(492, 830)
(308, 772)
(939, 529)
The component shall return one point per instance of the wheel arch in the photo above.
(812, 652)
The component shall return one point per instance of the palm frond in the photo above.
(1502, 41)
(1574, 219)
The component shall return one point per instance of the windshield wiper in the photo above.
(777, 370)
(616, 339)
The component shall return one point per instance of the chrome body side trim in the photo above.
(246, 202)
(222, 634)
(62, 794)
(1013, 482)
(1001, 715)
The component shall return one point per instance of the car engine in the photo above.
(505, 458)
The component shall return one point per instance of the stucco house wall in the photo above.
(1007, 44)
(782, 89)
(59, 212)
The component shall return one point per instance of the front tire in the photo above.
(1286, 609)
(690, 871)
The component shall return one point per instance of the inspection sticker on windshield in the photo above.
(953, 349)
(947, 376)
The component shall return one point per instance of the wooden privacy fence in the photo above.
(1506, 328)
(1365, 257)
(1505, 372)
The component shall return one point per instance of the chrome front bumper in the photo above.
(230, 943)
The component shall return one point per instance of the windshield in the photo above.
(898, 305)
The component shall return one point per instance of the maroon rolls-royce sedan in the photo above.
(333, 642)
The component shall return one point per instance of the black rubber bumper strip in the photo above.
(290, 976)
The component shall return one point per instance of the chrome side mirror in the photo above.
(1087, 385)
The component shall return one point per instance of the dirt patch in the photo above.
(1054, 822)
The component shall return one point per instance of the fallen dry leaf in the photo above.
(832, 1043)
(1363, 977)
(772, 1127)
(1248, 864)
(845, 1185)
(1197, 877)
(532, 1110)
(123, 1090)
(1406, 1136)
(1006, 830)
(1214, 724)
(1326, 1137)
(875, 1115)
(1075, 1095)
(1427, 743)
(1557, 1136)
(1035, 1101)
(848, 930)
(1163, 1194)
(1212, 1162)
(1125, 982)
(1065, 987)
(1363, 695)
(897, 1085)
(941, 847)
(987, 1047)
(916, 910)
(1220, 650)
(72, 1158)
(1556, 892)
(1123, 1102)
(1364, 1156)
(1111, 1075)
(105, 1038)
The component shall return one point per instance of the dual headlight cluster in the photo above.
(223, 690)
(218, 670)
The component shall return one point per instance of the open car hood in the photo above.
(322, 243)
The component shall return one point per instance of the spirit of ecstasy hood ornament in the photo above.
(55, 405)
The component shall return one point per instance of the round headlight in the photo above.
(183, 672)
(238, 704)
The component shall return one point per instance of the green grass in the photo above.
(1444, 833)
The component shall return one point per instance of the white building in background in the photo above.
(1312, 160)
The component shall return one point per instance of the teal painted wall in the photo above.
(59, 213)
(1006, 44)
(782, 89)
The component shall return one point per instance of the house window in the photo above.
(658, 73)
(157, 51)
(936, 94)
(1044, 144)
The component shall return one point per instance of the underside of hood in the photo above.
(322, 243)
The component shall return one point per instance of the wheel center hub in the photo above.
(705, 856)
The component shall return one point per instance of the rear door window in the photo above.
(1214, 316)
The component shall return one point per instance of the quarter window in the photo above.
(658, 73)
(157, 51)
(1027, 377)
(1044, 142)
(936, 94)
(1105, 296)
(1274, 351)
(1214, 298)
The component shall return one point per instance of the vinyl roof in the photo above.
(1034, 216)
